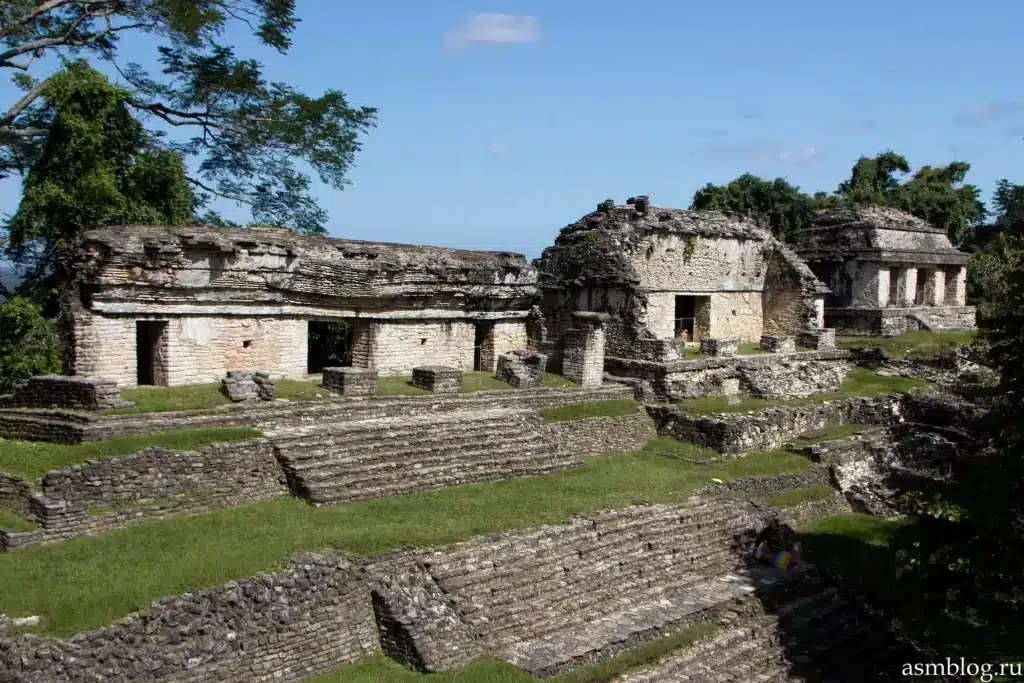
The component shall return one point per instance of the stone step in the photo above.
(340, 456)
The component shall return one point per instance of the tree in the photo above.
(937, 195)
(997, 249)
(98, 167)
(248, 134)
(785, 206)
(28, 343)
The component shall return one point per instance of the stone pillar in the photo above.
(583, 349)
(959, 288)
(819, 310)
(908, 287)
(883, 286)
(938, 287)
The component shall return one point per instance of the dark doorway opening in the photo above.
(150, 352)
(921, 288)
(329, 346)
(686, 317)
(483, 347)
(894, 286)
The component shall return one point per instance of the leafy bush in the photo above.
(28, 343)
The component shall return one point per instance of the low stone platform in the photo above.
(438, 379)
(60, 391)
(351, 381)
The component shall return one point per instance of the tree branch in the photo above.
(23, 103)
(22, 132)
(207, 188)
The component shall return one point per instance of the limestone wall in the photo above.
(194, 350)
(287, 627)
(599, 435)
(396, 347)
(693, 263)
(103, 495)
(59, 391)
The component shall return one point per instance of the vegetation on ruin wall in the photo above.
(859, 382)
(381, 669)
(914, 344)
(86, 583)
(794, 497)
(12, 522)
(830, 433)
(33, 459)
(206, 396)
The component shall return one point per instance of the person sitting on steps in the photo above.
(771, 549)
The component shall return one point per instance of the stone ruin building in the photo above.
(665, 277)
(170, 306)
(889, 272)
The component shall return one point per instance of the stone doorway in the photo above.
(692, 317)
(483, 348)
(329, 345)
(151, 353)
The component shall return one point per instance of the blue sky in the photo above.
(500, 124)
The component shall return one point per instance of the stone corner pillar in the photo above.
(583, 349)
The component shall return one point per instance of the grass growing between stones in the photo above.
(33, 459)
(12, 522)
(384, 670)
(859, 382)
(581, 411)
(87, 583)
(913, 344)
(794, 497)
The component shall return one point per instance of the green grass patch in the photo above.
(553, 381)
(383, 670)
(830, 433)
(788, 499)
(581, 411)
(167, 399)
(82, 584)
(33, 459)
(856, 547)
(859, 382)
(913, 344)
(13, 522)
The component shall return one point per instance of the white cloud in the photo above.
(491, 29)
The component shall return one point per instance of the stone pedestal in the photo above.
(351, 381)
(778, 344)
(719, 347)
(522, 369)
(819, 340)
(438, 379)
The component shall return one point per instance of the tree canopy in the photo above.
(98, 167)
(247, 134)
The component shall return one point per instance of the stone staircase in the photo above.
(375, 458)
(798, 629)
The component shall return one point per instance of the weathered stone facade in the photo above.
(667, 277)
(889, 272)
(58, 391)
(351, 381)
(173, 306)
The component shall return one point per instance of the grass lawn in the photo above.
(86, 583)
(788, 499)
(581, 411)
(855, 546)
(206, 396)
(33, 459)
(383, 670)
(859, 382)
(912, 344)
(830, 433)
(12, 522)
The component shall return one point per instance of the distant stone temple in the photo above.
(665, 277)
(173, 306)
(889, 272)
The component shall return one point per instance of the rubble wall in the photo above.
(290, 626)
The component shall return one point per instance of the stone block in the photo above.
(351, 381)
(438, 379)
(522, 369)
(821, 339)
(730, 386)
(60, 391)
(719, 347)
(778, 344)
(248, 385)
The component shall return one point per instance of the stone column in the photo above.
(819, 310)
(960, 287)
(583, 354)
(938, 287)
(882, 287)
(908, 285)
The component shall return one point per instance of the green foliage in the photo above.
(997, 250)
(33, 459)
(87, 583)
(28, 343)
(248, 134)
(787, 208)
(98, 167)
(582, 411)
(912, 344)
